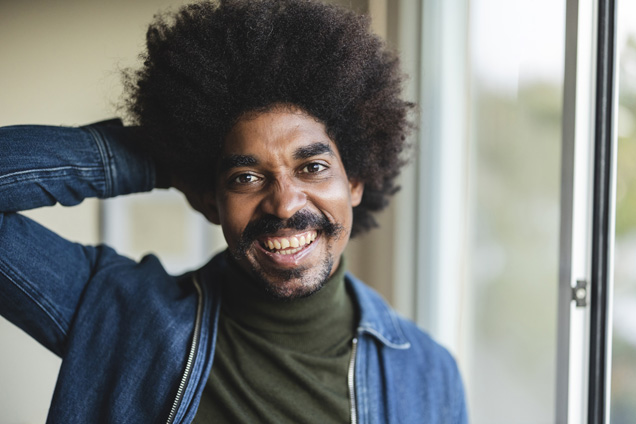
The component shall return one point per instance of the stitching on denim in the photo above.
(362, 384)
(396, 324)
(6, 270)
(102, 146)
(386, 314)
(366, 328)
(30, 174)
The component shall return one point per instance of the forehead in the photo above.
(276, 131)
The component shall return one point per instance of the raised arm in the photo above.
(42, 275)
(43, 165)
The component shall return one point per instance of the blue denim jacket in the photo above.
(137, 344)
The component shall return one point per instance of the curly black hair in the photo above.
(211, 62)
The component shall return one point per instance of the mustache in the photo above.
(300, 221)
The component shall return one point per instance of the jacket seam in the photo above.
(398, 327)
(48, 173)
(384, 340)
(104, 153)
(384, 320)
(22, 288)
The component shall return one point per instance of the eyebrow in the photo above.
(305, 152)
(313, 149)
(237, 161)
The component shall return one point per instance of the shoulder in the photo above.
(422, 373)
(409, 342)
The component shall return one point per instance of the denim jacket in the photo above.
(136, 343)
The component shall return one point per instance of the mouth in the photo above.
(288, 245)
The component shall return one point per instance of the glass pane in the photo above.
(623, 395)
(516, 107)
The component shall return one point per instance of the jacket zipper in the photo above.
(351, 381)
(191, 355)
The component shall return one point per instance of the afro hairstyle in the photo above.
(209, 63)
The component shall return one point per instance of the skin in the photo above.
(276, 165)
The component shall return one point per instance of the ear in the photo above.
(201, 201)
(209, 207)
(356, 188)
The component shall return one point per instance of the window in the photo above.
(514, 192)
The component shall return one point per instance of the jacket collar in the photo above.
(376, 317)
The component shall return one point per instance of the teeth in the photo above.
(290, 245)
(290, 251)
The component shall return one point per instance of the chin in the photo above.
(296, 283)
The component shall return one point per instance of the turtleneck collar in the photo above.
(330, 309)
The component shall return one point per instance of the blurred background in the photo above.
(623, 397)
(470, 246)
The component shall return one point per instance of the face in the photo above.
(284, 201)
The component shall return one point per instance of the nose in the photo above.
(283, 199)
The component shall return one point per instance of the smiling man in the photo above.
(281, 121)
(284, 201)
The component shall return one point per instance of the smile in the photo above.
(289, 245)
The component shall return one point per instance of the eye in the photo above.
(245, 179)
(314, 168)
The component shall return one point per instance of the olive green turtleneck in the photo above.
(280, 361)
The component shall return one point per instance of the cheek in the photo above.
(335, 201)
(234, 216)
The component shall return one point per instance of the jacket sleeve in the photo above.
(42, 275)
(42, 165)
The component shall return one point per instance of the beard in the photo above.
(287, 284)
(299, 283)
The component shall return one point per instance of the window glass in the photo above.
(515, 129)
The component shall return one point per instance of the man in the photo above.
(282, 122)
